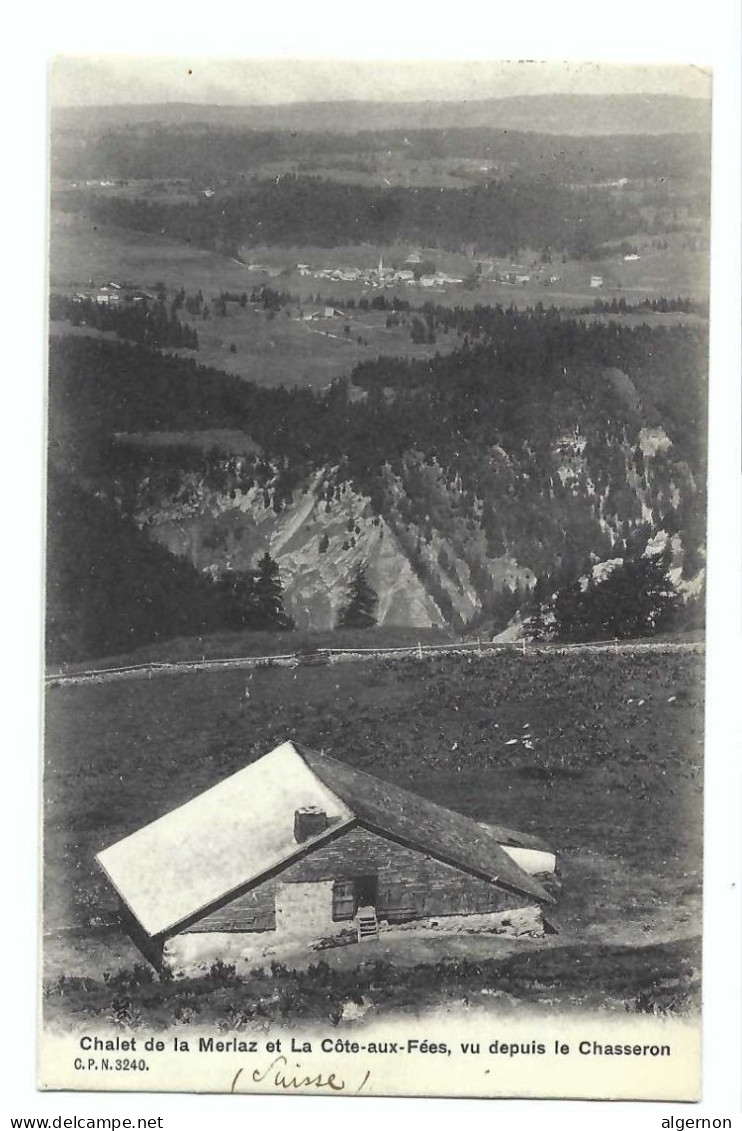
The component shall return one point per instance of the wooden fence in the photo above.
(351, 655)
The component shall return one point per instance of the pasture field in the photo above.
(80, 250)
(249, 642)
(601, 754)
(288, 349)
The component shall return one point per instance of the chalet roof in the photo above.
(444, 833)
(243, 828)
(514, 839)
(219, 841)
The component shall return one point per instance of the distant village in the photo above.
(416, 272)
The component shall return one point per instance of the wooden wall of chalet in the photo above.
(411, 885)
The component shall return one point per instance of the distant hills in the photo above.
(567, 114)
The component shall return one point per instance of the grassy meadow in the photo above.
(288, 349)
(601, 754)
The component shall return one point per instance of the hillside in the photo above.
(546, 113)
(538, 448)
(316, 547)
(191, 151)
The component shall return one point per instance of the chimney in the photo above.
(309, 822)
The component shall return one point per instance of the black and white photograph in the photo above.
(376, 557)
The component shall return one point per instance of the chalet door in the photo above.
(349, 895)
(367, 890)
(343, 900)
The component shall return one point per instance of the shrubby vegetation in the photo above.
(663, 982)
(676, 305)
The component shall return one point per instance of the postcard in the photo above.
(375, 578)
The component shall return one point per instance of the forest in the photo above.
(110, 588)
(153, 326)
(499, 217)
(531, 376)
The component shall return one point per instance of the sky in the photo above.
(104, 80)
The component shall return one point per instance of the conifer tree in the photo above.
(269, 595)
(359, 611)
(637, 599)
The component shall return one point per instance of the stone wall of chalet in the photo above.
(411, 885)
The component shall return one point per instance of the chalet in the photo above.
(299, 849)
(319, 315)
(110, 294)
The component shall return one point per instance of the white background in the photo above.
(636, 31)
